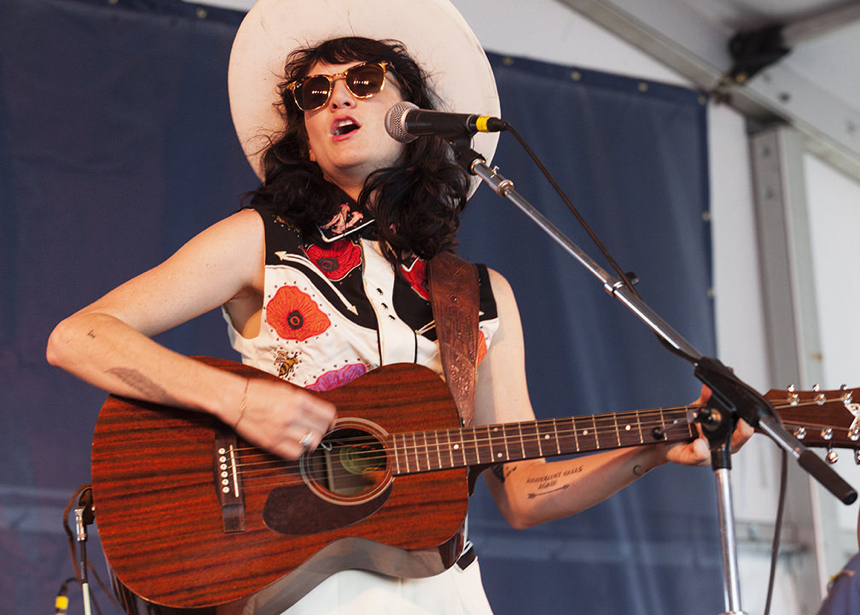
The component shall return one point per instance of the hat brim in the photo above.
(435, 35)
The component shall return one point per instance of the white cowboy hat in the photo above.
(435, 35)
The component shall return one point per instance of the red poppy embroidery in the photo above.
(294, 315)
(416, 275)
(337, 260)
(338, 378)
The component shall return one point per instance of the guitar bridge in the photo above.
(229, 487)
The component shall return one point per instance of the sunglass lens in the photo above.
(365, 80)
(313, 92)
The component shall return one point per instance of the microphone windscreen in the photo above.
(394, 124)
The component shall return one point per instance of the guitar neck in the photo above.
(426, 451)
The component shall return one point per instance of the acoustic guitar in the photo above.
(194, 520)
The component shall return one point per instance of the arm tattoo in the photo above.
(141, 384)
(544, 485)
(640, 470)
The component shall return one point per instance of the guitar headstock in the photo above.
(821, 418)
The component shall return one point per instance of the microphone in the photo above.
(405, 122)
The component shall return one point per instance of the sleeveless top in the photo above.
(333, 309)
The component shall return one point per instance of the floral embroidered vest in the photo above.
(333, 308)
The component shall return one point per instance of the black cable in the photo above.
(624, 276)
(777, 530)
(621, 274)
(61, 602)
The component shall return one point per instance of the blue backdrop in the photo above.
(116, 146)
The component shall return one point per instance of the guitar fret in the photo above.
(567, 440)
(488, 444)
(438, 451)
(491, 445)
(617, 433)
(531, 441)
(458, 446)
(414, 454)
(427, 452)
(607, 431)
(603, 431)
(474, 446)
(402, 451)
(522, 443)
(450, 447)
(626, 433)
(493, 439)
(546, 437)
(590, 433)
(539, 439)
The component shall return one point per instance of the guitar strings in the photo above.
(429, 446)
(257, 466)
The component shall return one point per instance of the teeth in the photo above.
(344, 126)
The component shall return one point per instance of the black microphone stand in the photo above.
(731, 398)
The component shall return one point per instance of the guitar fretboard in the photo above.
(425, 451)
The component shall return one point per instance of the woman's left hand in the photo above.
(698, 452)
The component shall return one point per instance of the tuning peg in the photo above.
(827, 433)
(832, 456)
(857, 456)
(820, 398)
(846, 394)
(793, 398)
(800, 433)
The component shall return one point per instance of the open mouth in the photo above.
(344, 127)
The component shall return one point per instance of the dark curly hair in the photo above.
(417, 204)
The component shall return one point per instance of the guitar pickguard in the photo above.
(297, 511)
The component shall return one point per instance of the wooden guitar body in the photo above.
(162, 524)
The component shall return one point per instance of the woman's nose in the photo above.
(340, 94)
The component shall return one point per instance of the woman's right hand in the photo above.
(283, 419)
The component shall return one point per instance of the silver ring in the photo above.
(306, 440)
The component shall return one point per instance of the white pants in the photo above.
(355, 592)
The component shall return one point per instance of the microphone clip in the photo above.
(84, 514)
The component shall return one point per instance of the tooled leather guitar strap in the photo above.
(455, 299)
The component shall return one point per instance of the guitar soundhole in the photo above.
(351, 464)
